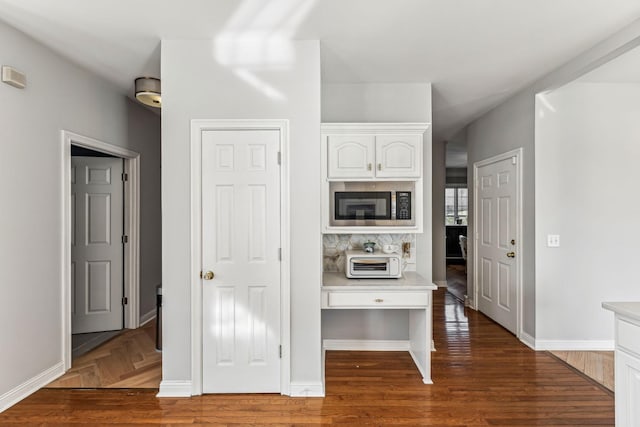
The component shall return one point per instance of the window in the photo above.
(456, 205)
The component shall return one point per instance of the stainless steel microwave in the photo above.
(376, 203)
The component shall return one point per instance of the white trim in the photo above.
(30, 386)
(528, 340)
(415, 358)
(306, 390)
(197, 127)
(441, 283)
(518, 154)
(131, 227)
(375, 128)
(575, 345)
(147, 317)
(366, 345)
(175, 388)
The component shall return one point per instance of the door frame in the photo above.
(197, 127)
(517, 153)
(131, 229)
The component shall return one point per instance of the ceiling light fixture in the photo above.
(148, 91)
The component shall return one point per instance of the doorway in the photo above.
(97, 248)
(497, 243)
(129, 290)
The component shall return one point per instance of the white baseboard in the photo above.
(174, 388)
(366, 345)
(147, 317)
(440, 283)
(528, 340)
(30, 386)
(574, 345)
(306, 390)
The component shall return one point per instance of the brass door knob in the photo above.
(208, 275)
(511, 254)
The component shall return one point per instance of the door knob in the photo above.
(208, 275)
(511, 254)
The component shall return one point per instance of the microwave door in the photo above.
(362, 206)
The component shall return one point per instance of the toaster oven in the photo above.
(360, 264)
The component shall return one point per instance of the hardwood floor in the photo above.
(127, 361)
(457, 280)
(598, 365)
(483, 376)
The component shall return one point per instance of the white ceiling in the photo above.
(475, 52)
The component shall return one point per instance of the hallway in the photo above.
(482, 376)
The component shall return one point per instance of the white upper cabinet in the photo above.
(373, 151)
(398, 156)
(351, 156)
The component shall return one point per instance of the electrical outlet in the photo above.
(406, 249)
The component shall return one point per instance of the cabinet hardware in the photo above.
(379, 300)
(511, 254)
(369, 167)
(208, 275)
(379, 166)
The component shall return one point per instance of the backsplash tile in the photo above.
(334, 245)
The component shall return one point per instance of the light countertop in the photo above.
(627, 309)
(410, 280)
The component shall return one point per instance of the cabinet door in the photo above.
(627, 383)
(398, 156)
(351, 156)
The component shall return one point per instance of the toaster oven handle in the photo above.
(367, 260)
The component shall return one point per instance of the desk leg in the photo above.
(420, 340)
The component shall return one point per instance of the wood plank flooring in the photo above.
(457, 280)
(126, 361)
(598, 365)
(483, 377)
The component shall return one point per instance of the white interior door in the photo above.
(496, 228)
(96, 244)
(240, 245)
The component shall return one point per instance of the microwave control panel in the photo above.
(403, 205)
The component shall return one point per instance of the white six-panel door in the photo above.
(96, 244)
(240, 246)
(496, 228)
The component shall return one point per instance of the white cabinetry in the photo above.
(369, 151)
(627, 362)
(374, 156)
(411, 292)
(351, 156)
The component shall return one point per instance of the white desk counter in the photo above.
(411, 292)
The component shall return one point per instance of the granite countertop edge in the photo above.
(625, 308)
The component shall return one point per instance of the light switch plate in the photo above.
(553, 240)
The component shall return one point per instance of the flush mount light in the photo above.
(148, 91)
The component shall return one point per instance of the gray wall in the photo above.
(439, 242)
(59, 95)
(143, 136)
(587, 175)
(511, 125)
(196, 86)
